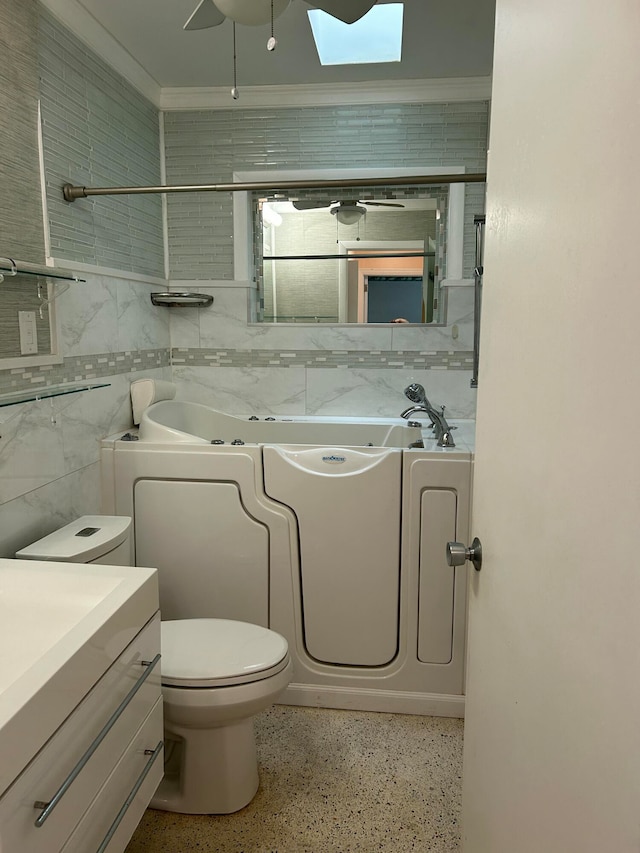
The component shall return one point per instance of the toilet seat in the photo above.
(201, 653)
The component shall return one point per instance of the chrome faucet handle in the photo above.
(442, 408)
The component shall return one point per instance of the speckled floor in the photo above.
(334, 782)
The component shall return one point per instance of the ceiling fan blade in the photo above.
(303, 204)
(205, 15)
(381, 203)
(348, 11)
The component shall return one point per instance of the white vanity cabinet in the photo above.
(85, 789)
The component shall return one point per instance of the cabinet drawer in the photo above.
(72, 767)
(111, 819)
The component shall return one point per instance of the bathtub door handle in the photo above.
(458, 554)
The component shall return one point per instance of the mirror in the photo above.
(444, 260)
(371, 259)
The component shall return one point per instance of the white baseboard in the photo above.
(359, 699)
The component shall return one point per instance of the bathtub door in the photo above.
(347, 503)
(212, 556)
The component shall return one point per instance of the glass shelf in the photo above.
(32, 395)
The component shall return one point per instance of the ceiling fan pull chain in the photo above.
(272, 43)
(234, 92)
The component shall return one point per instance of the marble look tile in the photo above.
(225, 325)
(460, 302)
(184, 326)
(244, 391)
(43, 441)
(31, 449)
(379, 393)
(422, 338)
(449, 387)
(88, 318)
(27, 518)
(141, 325)
(88, 417)
(356, 393)
(349, 337)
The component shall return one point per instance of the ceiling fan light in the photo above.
(348, 215)
(251, 13)
(270, 216)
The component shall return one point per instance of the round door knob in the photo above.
(458, 554)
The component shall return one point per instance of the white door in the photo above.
(552, 734)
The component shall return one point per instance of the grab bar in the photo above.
(48, 807)
(154, 753)
(479, 222)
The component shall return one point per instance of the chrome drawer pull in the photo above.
(154, 753)
(47, 808)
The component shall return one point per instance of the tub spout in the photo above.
(416, 394)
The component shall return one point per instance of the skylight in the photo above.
(376, 37)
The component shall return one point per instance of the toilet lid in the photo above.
(213, 652)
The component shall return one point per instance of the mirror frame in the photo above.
(242, 219)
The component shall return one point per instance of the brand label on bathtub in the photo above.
(334, 459)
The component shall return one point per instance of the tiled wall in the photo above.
(100, 131)
(20, 206)
(355, 370)
(49, 450)
(21, 222)
(208, 146)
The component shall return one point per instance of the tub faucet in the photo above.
(417, 395)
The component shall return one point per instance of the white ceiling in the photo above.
(442, 39)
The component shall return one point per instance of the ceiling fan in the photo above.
(211, 13)
(348, 212)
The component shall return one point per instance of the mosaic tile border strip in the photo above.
(80, 368)
(361, 359)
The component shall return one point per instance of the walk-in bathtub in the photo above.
(330, 531)
(172, 420)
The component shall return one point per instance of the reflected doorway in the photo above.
(391, 299)
(414, 277)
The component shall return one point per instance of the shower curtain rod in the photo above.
(71, 192)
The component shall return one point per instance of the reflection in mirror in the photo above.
(358, 256)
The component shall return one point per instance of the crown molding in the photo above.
(82, 24)
(336, 94)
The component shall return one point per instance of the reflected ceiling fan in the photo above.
(211, 13)
(346, 212)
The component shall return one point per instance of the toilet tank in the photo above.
(104, 539)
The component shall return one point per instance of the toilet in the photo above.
(217, 674)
